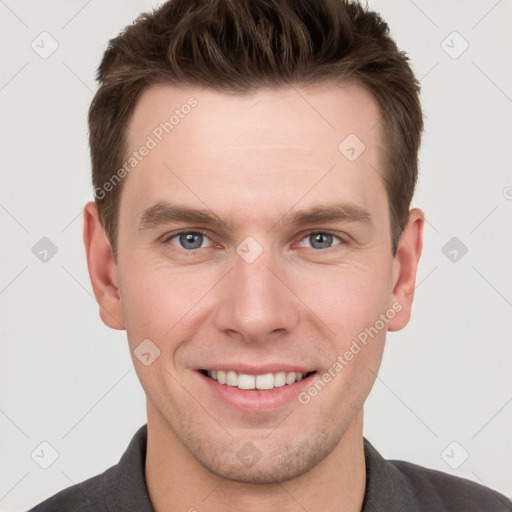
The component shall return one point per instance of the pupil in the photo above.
(321, 240)
(191, 240)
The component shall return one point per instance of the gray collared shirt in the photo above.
(391, 486)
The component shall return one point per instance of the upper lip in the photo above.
(257, 370)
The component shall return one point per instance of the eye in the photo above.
(319, 240)
(189, 240)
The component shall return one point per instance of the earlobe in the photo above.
(405, 266)
(102, 268)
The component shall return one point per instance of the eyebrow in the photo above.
(337, 212)
(163, 213)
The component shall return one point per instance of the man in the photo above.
(253, 164)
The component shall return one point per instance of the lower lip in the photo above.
(256, 400)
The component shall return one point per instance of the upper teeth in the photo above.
(245, 381)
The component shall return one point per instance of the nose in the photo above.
(254, 301)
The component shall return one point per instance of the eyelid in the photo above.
(169, 236)
(324, 232)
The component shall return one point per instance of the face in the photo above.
(254, 248)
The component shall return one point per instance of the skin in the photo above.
(254, 160)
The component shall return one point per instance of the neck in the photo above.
(177, 481)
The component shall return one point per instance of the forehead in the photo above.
(271, 144)
(279, 118)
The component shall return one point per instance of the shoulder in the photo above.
(87, 496)
(448, 492)
(120, 488)
(400, 485)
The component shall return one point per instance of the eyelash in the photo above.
(168, 238)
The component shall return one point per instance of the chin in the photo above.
(266, 460)
(283, 464)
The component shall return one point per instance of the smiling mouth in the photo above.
(255, 382)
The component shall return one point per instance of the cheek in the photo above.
(157, 300)
(347, 298)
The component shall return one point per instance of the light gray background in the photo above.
(68, 380)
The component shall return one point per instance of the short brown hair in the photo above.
(239, 46)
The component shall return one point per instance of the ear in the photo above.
(405, 265)
(102, 269)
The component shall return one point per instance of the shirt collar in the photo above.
(386, 487)
(126, 488)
